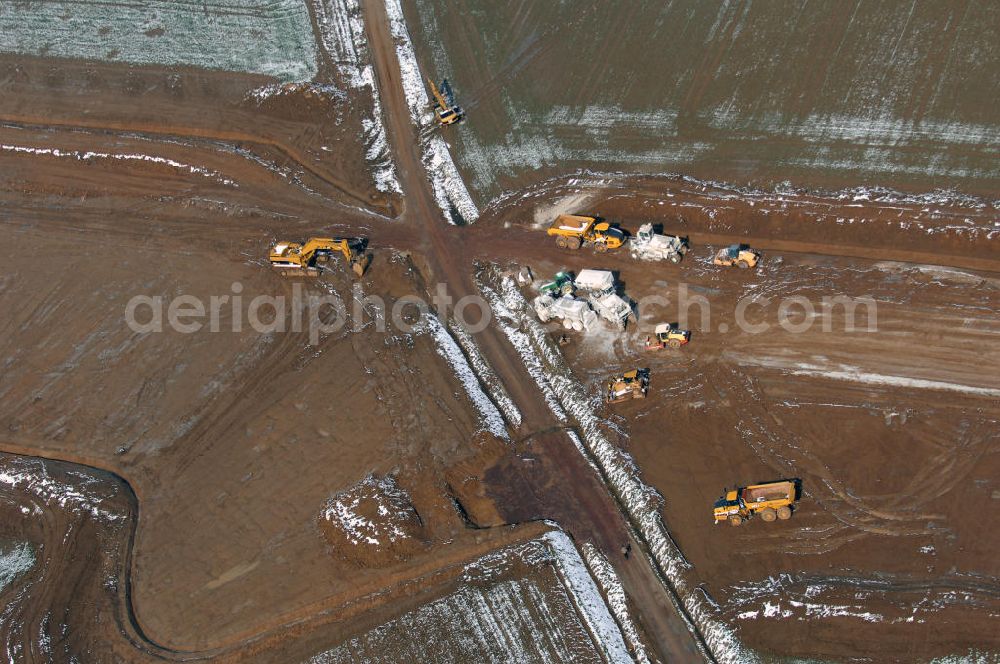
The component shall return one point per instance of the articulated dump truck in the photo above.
(770, 501)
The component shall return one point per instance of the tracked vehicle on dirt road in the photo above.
(770, 501)
(650, 246)
(293, 259)
(575, 231)
(629, 385)
(740, 255)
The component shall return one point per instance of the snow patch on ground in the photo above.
(533, 601)
(449, 349)
(612, 588)
(342, 31)
(498, 393)
(587, 597)
(450, 191)
(273, 38)
(643, 503)
(15, 560)
(852, 373)
(91, 156)
(343, 510)
(31, 477)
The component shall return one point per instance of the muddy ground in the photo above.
(204, 464)
(893, 432)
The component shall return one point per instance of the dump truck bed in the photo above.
(771, 491)
(570, 223)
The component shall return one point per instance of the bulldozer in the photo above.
(306, 259)
(770, 501)
(445, 109)
(740, 255)
(667, 336)
(574, 231)
(629, 385)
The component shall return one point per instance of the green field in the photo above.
(822, 94)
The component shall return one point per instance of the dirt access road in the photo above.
(593, 512)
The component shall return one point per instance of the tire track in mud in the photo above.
(447, 249)
(894, 515)
(779, 447)
(98, 557)
(229, 141)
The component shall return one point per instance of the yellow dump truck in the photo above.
(573, 231)
(772, 500)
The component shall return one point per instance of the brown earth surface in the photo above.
(214, 454)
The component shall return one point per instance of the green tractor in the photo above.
(561, 284)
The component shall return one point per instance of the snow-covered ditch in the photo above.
(494, 386)
(847, 372)
(586, 596)
(450, 191)
(449, 349)
(568, 399)
(607, 578)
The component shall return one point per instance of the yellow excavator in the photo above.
(293, 259)
(445, 110)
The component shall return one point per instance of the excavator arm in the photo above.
(294, 258)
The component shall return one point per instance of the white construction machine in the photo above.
(599, 288)
(650, 246)
(575, 314)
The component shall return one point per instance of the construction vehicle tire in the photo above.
(742, 264)
(573, 243)
(674, 343)
(784, 512)
(735, 520)
(768, 514)
(601, 247)
(675, 258)
(561, 242)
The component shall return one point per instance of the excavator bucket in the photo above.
(360, 264)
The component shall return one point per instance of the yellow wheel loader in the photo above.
(445, 109)
(574, 231)
(293, 259)
(770, 501)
